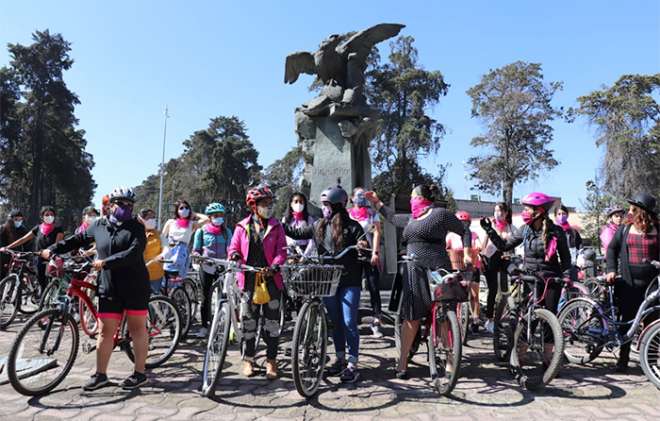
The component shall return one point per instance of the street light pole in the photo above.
(162, 170)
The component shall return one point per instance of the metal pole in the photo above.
(162, 171)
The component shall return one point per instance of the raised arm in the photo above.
(509, 244)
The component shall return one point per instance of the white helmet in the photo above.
(122, 193)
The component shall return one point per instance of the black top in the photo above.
(120, 246)
(617, 260)
(352, 274)
(44, 241)
(6, 237)
(559, 264)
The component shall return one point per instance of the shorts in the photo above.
(133, 300)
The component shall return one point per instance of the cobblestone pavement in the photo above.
(484, 391)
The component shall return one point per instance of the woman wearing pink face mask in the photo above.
(297, 216)
(424, 235)
(572, 235)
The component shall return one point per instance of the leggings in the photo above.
(373, 284)
(496, 278)
(207, 282)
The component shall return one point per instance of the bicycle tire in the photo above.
(14, 378)
(182, 301)
(450, 320)
(89, 322)
(219, 330)
(10, 295)
(463, 315)
(49, 296)
(35, 299)
(502, 331)
(571, 337)
(310, 311)
(649, 354)
(194, 295)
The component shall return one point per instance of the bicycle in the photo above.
(522, 325)
(591, 325)
(20, 290)
(440, 329)
(55, 337)
(174, 288)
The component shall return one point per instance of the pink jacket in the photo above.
(274, 247)
(606, 235)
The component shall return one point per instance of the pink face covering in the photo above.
(46, 228)
(527, 217)
(359, 213)
(298, 216)
(213, 229)
(182, 222)
(418, 205)
(500, 224)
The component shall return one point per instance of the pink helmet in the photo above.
(536, 199)
(463, 215)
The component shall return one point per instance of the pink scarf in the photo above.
(359, 213)
(182, 222)
(551, 250)
(565, 226)
(46, 228)
(213, 229)
(298, 216)
(419, 205)
(500, 225)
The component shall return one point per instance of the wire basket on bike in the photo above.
(312, 280)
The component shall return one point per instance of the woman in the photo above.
(152, 249)
(630, 253)
(123, 283)
(44, 235)
(211, 240)
(494, 262)
(298, 216)
(572, 235)
(362, 213)
(545, 248)
(332, 234)
(89, 215)
(12, 230)
(457, 251)
(177, 234)
(614, 220)
(424, 235)
(259, 240)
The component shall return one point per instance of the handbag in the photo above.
(261, 295)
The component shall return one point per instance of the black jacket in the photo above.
(352, 275)
(534, 246)
(617, 257)
(120, 246)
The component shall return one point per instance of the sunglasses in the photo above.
(124, 204)
(184, 208)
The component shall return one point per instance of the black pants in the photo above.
(41, 273)
(206, 310)
(373, 285)
(628, 298)
(497, 280)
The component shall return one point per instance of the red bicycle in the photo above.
(47, 346)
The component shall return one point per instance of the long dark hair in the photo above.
(9, 230)
(338, 221)
(176, 208)
(289, 212)
(505, 208)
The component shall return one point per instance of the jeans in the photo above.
(343, 311)
(155, 286)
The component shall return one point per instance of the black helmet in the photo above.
(335, 195)
(644, 201)
(14, 213)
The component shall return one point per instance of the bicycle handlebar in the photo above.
(230, 264)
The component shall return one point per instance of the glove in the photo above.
(486, 224)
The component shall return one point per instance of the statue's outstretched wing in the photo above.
(297, 63)
(363, 41)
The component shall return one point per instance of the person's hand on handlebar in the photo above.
(98, 265)
(45, 254)
(610, 277)
(235, 257)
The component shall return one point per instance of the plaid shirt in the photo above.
(642, 248)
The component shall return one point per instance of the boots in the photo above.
(271, 369)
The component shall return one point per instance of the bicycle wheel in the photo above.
(9, 296)
(309, 348)
(649, 354)
(182, 301)
(583, 331)
(194, 295)
(463, 315)
(529, 343)
(502, 331)
(164, 328)
(43, 352)
(88, 320)
(445, 347)
(31, 294)
(216, 348)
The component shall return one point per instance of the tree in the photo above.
(219, 163)
(514, 104)
(402, 92)
(627, 119)
(40, 126)
(283, 177)
(594, 211)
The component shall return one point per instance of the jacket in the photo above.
(152, 249)
(617, 255)
(274, 244)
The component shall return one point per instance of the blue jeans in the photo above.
(343, 311)
(155, 286)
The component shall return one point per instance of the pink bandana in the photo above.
(500, 225)
(419, 205)
(565, 226)
(213, 229)
(359, 213)
(182, 222)
(46, 228)
(298, 216)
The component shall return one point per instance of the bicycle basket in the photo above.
(312, 280)
(450, 288)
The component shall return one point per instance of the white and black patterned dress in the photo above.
(425, 239)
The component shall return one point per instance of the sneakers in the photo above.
(97, 381)
(336, 368)
(271, 369)
(202, 332)
(489, 326)
(134, 381)
(375, 329)
(248, 368)
(350, 374)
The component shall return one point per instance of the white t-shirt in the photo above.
(177, 234)
(369, 226)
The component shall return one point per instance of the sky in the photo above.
(208, 58)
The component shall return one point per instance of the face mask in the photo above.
(562, 219)
(18, 224)
(218, 221)
(297, 207)
(122, 214)
(527, 217)
(265, 212)
(418, 205)
(150, 224)
(90, 219)
(49, 219)
(327, 212)
(183, 213)
(361, 201)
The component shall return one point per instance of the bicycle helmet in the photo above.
(258, 193)
(90, 209)
(14, 213)
(122, 193)
(540, 200)
(335, 195)
(214, 207)
(614, 209)
(463, 216)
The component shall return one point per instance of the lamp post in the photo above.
(162, 170)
